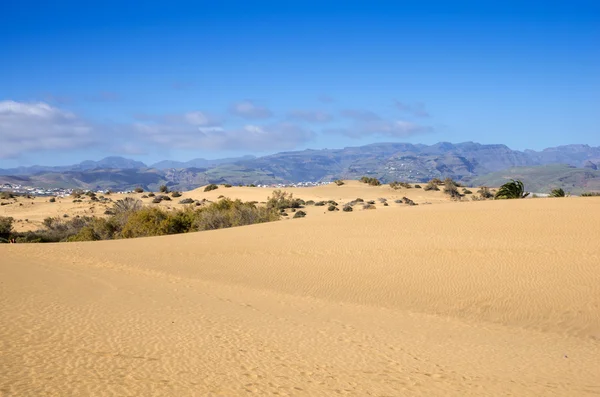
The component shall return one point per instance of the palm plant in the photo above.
(512, 190)
(557, 193)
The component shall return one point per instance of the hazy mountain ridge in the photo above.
(388, 161)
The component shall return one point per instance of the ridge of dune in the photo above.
(477, 298)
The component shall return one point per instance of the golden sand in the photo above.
(478, 298)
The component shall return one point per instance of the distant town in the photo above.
(64, 192)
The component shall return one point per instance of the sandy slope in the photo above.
(483, 298)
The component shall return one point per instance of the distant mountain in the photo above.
(198, 163)
(542, 179)
(108, 162)
(387, 161)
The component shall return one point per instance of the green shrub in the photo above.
(417, 186)
(332, 208)
(128, 204)
(557, 193)
(227, 185)
(186, 201)
(359, 200)
(348, 208)
(163, 189)
(319, 203)
(397, 185)
(370, 181)
(6, 226)
(300, 214)
(484, 193)
(310, 202)
(431, 185)
(451, 189)
(467, 191)
(282, 200)
(6, 195)
(590, 194)
(151, 194)
(138, 190)
(368, 206)
(339, 182)
(156, 200)
(210, 187)
(52, 200)
(175, 194)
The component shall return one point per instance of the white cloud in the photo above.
(26, 127)
(310, 116)
(415, 109)
(186, 135)
(249, 110)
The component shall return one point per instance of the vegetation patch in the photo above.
(370, 181)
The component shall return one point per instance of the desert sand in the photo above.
(478, 298)
(29, 213)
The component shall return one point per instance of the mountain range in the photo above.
(467, 162)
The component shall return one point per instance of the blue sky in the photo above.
(180, 80)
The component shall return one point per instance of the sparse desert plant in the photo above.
(210, 187)
(399, 201)
(128, 204)
(485, 193)
(163, 189)
(319, 203)
(6, 226)
(144, 196)
(332, 202)
(175, 194)
(139, 190)
(451, 189)
(151, 194)
(437, 181)
(369, 206)
(417, 186)
(227, 185)
(557, 193)
(6, 195)
(300, 214)
(156, 200)
(359, 200)
(52, 200)
(348, 208)
(332, 208)
(310, 202)
(397, 185)
(512, 190)
(165, 198)
(385, 204)
(431, 185)
(339, 182)
(370, 181)
(282, 200)
(186, 201)
(467, 191)
(590, 194)
(372, 202)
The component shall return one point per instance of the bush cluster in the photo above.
(210, 187)
(590, 194)
(397, 185)
(283, 200)
(370, 181)
(339, 182)
(431, 185)
(128, 219)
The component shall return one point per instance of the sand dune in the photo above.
(477, 298)
(29, 214)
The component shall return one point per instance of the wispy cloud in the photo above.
(249, 110)
(104, 96)
(417, 109)
(310, 116)
(394, 129)
(360, 115)
(26, 127)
